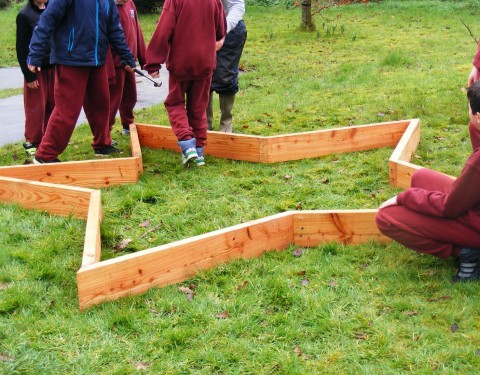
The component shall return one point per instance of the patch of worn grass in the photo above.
(7, 93)
(336, 309)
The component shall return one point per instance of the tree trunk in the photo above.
(307, 14)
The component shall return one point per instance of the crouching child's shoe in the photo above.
(468, 265)
(189, 152)
(200, 161)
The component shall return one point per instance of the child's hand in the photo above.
(390, 202)
(33, 68)
(33, 85)
(128, 68)
(155, 74)
(219, 44)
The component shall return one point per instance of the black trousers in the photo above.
(225, 75)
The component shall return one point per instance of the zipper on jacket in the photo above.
(71, 39)
(96, 31)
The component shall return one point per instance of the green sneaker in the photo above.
(30, 149)
(190, 154)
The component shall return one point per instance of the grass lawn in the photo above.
(368, 309)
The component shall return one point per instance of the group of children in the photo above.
(91, 59)
(437, 215)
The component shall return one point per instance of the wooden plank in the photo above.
(401, 173)
(92, 247)
(55, 199)
(408, 143)
(219, 144)
(313, 228)
(89, 173)
(178, 261)
(136, 149)
(332, 141)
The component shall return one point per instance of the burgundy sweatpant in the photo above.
(123, 97)
(76, 86)
(441, 237)
(474, 136)
(188, 115)
(38, 104)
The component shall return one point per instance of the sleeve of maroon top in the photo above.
(159, 46)
(221, 21)
(141, 46)
(476, 59)
(463, 195)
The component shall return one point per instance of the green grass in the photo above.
(369, 309)
(6, 93)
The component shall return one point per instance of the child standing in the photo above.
(81, 32)
(186, 39)
(123, 89)
(38, 97)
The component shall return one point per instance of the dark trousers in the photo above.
(39, 104)
(186, 106)
(225, 75)
(441, 237)
(74, 87)
(123, 97)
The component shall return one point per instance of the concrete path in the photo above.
(13, 116)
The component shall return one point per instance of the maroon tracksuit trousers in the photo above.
(186, 105)
(39, 104)
(438, 236)
(74, 87)
(123, 95)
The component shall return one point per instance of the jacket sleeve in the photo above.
(116, 37)
(462, 196)
(159, 46)
(221, 22)
(141, 46)
(235, 12)
(24, 34)
(45, 28)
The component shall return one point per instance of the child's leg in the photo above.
(96, 106)
(129, 99)
(35, 104)
(197, 100)
(116, 92)
(474, 136)
(175, 106)
(70, 84)
(426, 234)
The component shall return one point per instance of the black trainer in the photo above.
(43, 161)
(107, 150)
(468, 265)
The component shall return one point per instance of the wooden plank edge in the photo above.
(92, 245)
(85, 173)
(408, 143)
(349, 227)
(175, 262)
(62, 200)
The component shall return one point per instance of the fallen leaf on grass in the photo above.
(145, 224)
(302, 273)
(242, 285)
(142, 365)
(3, 286)
(189, 293)
(361, 335)
(332, 283)
(304, 282)
(287, 177)
(223, 315)
(123, 244)
(298, 252)
(6, 358)
(411, 313)
(297, 351)
(454, 327)
(477, 352)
